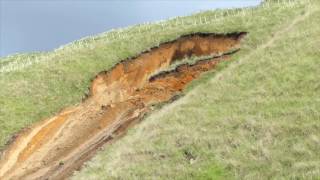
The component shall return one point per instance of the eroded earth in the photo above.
(118, 98)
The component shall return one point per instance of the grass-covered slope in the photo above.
(256, 117)
(35, 86)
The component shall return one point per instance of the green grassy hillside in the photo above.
(256, 117)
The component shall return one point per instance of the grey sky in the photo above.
(27, 26)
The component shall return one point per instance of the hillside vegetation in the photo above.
(255, 117)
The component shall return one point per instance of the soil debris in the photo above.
(118, 98)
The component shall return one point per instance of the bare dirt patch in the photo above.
(118, 98)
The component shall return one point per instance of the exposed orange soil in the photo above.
(55, 147)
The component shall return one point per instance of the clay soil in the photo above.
(118, 98)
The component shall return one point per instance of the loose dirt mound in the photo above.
(55, 147)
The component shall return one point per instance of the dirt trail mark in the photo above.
(118, 98)
(276, 37)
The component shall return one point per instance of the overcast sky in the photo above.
(42, 25)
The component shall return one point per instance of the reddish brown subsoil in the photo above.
(120, 97)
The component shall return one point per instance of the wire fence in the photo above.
(132, 32)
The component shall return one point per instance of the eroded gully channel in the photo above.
(118, 98)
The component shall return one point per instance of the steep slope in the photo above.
(55, 147)
(258, 118)
(36, 86)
